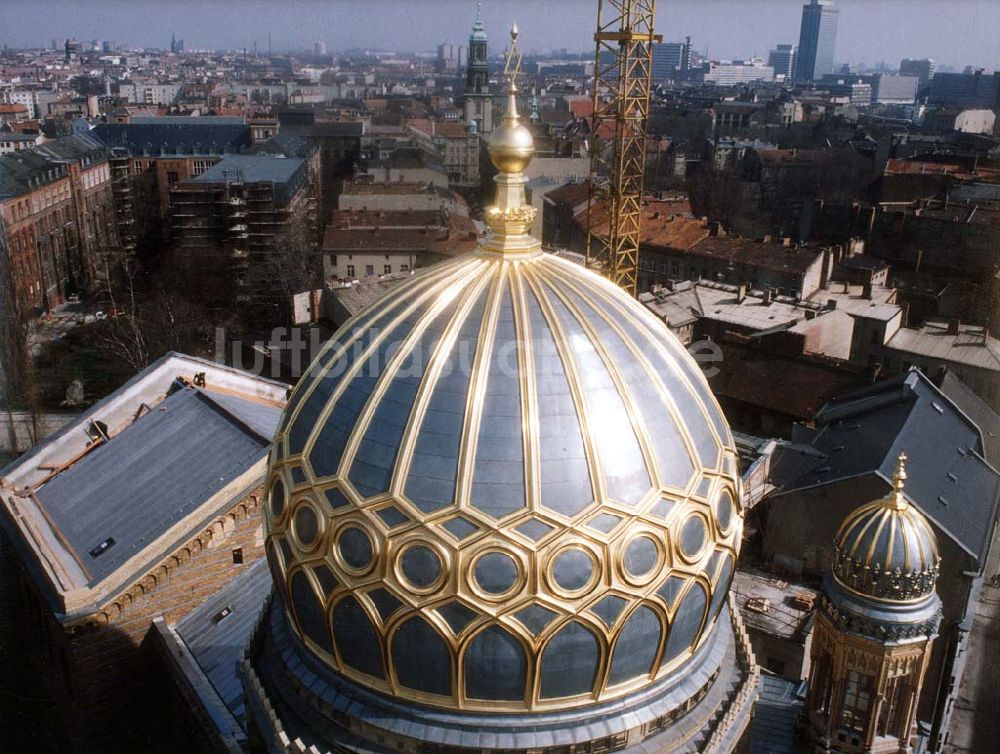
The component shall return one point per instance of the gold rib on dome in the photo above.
(511, 148)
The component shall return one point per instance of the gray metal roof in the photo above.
(950, 480)
(215, 640)
(772, 730)
(155, 472)
(253, 169)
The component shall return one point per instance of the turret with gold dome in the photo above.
(879, 614)
(504, 513)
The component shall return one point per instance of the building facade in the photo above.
(782, 60)
(93, 570)
(58, 220)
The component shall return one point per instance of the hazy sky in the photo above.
(954, 32)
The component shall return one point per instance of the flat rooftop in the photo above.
(96, 504)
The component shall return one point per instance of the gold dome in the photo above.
(505, 486)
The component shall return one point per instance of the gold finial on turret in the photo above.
(898, 480)
(511, 148)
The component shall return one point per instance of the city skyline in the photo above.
(869, 32)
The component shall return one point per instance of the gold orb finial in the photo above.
(511, 146)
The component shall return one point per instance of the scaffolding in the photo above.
(623, 69)
(121, 190)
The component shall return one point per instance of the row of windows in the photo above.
(370, 269)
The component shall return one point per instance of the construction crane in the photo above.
(623, 68)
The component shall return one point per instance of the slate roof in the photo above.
(950, 481)
(216, 642)
(159, 469)
(43, 164)
(978, 411)
(290, 141)
(172, 136)
(772, 730)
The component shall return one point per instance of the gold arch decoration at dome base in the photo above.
(710, 570)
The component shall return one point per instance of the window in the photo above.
(386, 269)
(238, 556)
(369, 269)
(820, 685)
(350, 270)
(857, 699)
(891, 715)
(171, 177)
(404, 268)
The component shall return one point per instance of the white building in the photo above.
(731, 73)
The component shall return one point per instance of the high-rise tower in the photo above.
(817, 38)
(478, 100)
(877, 618)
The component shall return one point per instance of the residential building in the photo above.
(14, 141)
(733, 73)
(817, 40)
(57, 219)
(978, 89)
(455, 144)
(671, 60)
(149, 93)
(151, 154)
(970, 352)
(363, 193)
(361, 244)
(93, 568)
(895, 90)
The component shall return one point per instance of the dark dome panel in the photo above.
(421, 658)
(636, 647)
(495, 666)
(309, 611)
(569, 662)
(686, 623)
(356, 638)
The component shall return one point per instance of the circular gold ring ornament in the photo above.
(414, 567)
(495, 574)
(349, 549)
(306, 525)
(564, 571)
(641, 558)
